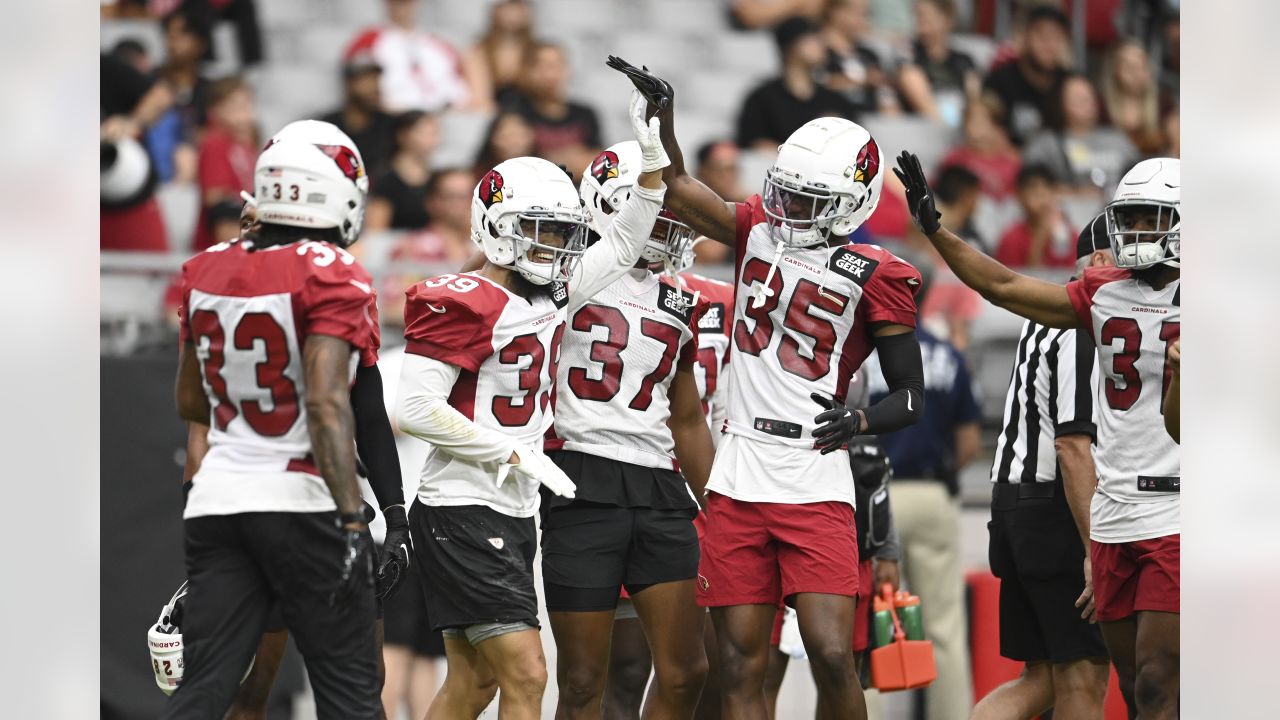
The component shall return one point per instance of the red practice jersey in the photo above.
(1139, 465)
(248, 314)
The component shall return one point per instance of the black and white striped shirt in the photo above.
(1050, 395)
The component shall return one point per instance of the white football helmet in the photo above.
(312, 176)
(1145, 217)
(517, 207)
(606, 187)
(825, 183)
(164, 640)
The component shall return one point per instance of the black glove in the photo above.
(835, 425)
(657, 91)
(393, 561)
(357, 568)
(919, 197)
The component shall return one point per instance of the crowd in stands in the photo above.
(1042, 127)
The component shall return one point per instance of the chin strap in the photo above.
(761, 292)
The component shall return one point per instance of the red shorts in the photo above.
(861, 614)
(754, 553)
(1134, 576)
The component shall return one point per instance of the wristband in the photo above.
(395, 516)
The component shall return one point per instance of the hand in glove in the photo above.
(835, 425)
(919, 198)
(534, 465)
(655, 90)
(357, 567)
(393, 560)
(652, 155)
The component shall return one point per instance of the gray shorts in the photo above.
(626, 610)
(476, 634)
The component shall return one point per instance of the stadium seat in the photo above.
(682, 16)
(980, 48)
(462, 134)
(297, 91)
(753, 165)
(894, 133)
(322, 46)
(751, 53)
(993, 348)
(147, 33)
(693, 129)
(180, 206)
(286, 14)
(589, 15)
(718, 91)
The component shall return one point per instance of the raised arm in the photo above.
(622, 242)
(1039, 301)
(694, 203)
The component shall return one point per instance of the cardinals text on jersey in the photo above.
(1139, 465)
(619, 358)
(507, 349)
(248, 314)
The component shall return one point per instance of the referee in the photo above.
(1043, 480)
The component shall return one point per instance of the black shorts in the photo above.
(1035, 550)
(405, 621)
(601, 548)
(477, 564)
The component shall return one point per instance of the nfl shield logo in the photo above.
(496, 542)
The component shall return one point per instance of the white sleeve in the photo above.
(423, 410)
(619, 248)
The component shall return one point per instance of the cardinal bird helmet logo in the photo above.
(867, 164)
(605, 166)
(490, 188)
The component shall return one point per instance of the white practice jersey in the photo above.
(713, 345)
(247, 315)
(506, 350)
(1139, 465)
(617, 362)
(810, 335)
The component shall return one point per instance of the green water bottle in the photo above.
(883, 627)
(909, 615)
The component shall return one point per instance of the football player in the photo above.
(1133, 312)
(375, 448)
(628, 414)
(809, 308)
(477, 383)
(270, 330)
(630, 661)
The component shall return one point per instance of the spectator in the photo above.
(1131, 97)
(1170, 64)
(173, 139)
(952, 76)
(927, 458)
(987, 153)
(765, 14)
(228, 151)
(509, 135)
(1085, 158)
(129, 102)
(719, 170)
(446, 239)
(1042, 238)
(493, 64)
(133, 53)
(1172, 135)
(852, 68)
(224, 220)
(361, 116)
(419, 70)
(565, 132)
(780, 106)
(1021, 91)
(397, 198)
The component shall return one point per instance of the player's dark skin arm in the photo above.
(693, 202)
(1172, 403)
(1042, 302)
(188, 390)
(694, 448)
(326, 362)
(1079, 478)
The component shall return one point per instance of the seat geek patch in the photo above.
(713, 319)
(853, 266)
(670, 300)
